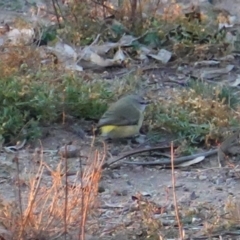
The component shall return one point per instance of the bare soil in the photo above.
(205, 185)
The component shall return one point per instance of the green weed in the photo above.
(198, 114)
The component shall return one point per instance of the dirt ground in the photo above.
(205, 183)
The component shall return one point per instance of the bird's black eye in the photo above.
(144, 102)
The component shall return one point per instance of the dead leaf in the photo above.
(119, 56)
(206, 63)
(73, 67)
(236, 82)
(126, 40)
(20, 36)
(96, 59)
(212, 73)
(104, 48)
(143, 52)
(93, 59)
(163, 55)
(191, 162)
(63, 51)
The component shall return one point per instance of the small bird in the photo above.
(124, 118)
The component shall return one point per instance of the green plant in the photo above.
(25, 104)
(197, 114)
(85, 100)
(29, 103)
(223, 94)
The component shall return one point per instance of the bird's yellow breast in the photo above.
(117, 131)
(114, 132)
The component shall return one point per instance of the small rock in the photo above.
(115, 175)
(193, 196)
(220, 181)
(129, 183)
(138, 169)
(101, 189)
(69, 151)
(121, 192)
(115, 151)
(194, 220)
(232, 173)
(125, 176)
(146, 194)
(202, 177)
(79, 131)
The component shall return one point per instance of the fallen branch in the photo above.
(167, 163)
(133, 152)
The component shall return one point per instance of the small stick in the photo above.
(130, 153)
(65, 193)
(167, 163)
(174, 194)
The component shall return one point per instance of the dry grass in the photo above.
(25, 61)
(232, 211)
(196, 115)
(55, 208)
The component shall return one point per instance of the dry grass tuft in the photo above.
(17, 59)
(196, 114)
(203, 109)
(232, 210)
(54, 208)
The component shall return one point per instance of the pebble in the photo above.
(193, 196)
(202, 177)
(129, 183)
(138, 169)
(121, 192)
(115, 175)
(194, 220)
(232, 173)
(69, 151)
(101, 189)
(220, 181)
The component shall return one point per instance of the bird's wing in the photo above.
(113, 117)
